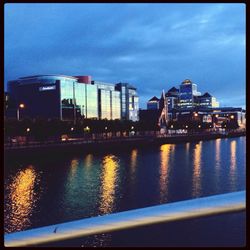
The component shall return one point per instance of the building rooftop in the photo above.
(127, 84)
(36, 76)
(154, 99)
(206, 95)
(173, 89)
(187, 81)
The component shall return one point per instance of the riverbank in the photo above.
(90, 145)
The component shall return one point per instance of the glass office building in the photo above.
(187, 94)
(73, 98)
(55, 96)
(108, 101)
(129, 101)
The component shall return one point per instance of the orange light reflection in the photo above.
(108, 183)
(197, 170)
(164, 170)
(23, 199)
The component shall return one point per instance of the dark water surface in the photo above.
(60, 188)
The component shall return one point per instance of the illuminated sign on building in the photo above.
(45, 88)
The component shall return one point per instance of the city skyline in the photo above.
(147, 45)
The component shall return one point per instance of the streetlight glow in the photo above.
(21, 105)
(232, 116)
(28, 129)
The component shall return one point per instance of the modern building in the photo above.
(216, 117)
(187, 104)
(186, 97)
(109, 104)
(153, 103)
(129, 101)
(54, 96)
(187, 94)
(172, 98)
(207, 100)
(71, 98)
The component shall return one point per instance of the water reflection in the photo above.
(73, 167)
(108, 183)
(217, 161)
(88, 162)
(164, 170)
(23, 198)
(133, 163)
(196, 190)
(187, 148)
(232, 165)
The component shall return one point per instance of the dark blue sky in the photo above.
(152, 46)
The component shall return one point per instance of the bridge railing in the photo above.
(205, 206)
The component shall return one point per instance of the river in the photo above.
(60, 188)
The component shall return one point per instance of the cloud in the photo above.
(153, 46)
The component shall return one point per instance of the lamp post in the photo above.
(106, 132)
(20, 106)
(27, 138)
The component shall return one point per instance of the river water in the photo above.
(57, 188)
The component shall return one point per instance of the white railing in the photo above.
(230, 202)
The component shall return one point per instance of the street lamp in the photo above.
(72, 129)
(28, 130)
(20, 106)
(232, 116)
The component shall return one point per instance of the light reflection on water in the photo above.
(197, 170)
(233, 165)
(22, 199)
(217, 161)
(165, 154)
(95, 184)
(108, 183)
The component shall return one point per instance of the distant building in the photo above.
(207, 100)
(187, 94)
(173, 98)
(153, 103)
(188, 105)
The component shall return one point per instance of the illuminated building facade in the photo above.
(187, 94)
(73, 98)
(129, 101)
(207, 100)
(109, 104)
(153, 103)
